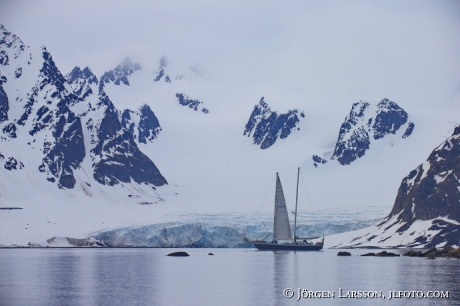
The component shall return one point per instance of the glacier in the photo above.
(220, 230)
(208, 166)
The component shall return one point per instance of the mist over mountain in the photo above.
(136, 146)
(67, 119)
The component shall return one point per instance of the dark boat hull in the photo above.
(287, 247)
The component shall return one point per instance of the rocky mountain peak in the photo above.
(49, 73)
(426, 212)
(432, 189)
(120, 74)
(78, 74)
(11, 46)
(388, 119)
(266, 126)
(80, 81)
(362, 125)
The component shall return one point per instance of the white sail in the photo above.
(281, 229)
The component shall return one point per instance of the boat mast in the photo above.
(274, 214)
(296, 198)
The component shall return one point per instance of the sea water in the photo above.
(130, 276)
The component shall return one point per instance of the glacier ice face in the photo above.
(228, 231)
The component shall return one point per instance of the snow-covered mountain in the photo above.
(69, 123)
(138, 146)
(363, 126)
(426, 212)
(266, 126)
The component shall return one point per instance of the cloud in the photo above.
(318, 49)
(163, 61)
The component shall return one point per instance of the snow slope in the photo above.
(209, 165)
(426, 212)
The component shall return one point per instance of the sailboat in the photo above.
(282, 229)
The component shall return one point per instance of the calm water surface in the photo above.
(230, 277)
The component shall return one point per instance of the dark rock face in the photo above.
(430, 192)
(80, 81)
(13, 164)
(63, 111)
(116, 155)
(433, 252)
(11, 44)
(50, 77)
(382, 254)
(18, 73)
(4, 105)
(343, 253)
(360, 127)
(265, 126)
(4, 59)
(388, 119)
(50, 73)
(318, 160)
(67, 152)
(190, 103)
(409, 130)
(149, 126)
(77, 74)
(433, 189)
(354, 148)
(10, 130)
(426, 212)
(159, 74)
(348, 150)
(119, 74)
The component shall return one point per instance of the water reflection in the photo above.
(281, 273)
(230, 277)
(61, 271)
(429, 275)
(123, 277)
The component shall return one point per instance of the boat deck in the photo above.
(269, 246)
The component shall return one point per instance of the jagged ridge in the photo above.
(265, 126)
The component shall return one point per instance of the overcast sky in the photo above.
(317, 56)
(369, 49)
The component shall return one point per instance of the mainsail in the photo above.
(281, 228)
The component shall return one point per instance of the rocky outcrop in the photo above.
(382, 254)
(116, 156)
(266, 126)
(432, 190)
(178, 254)
(426, 212)
(185, 100)
(4, 104)
(69, 119)
(120, 74)
(362, 126)
(447, 251)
